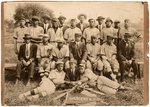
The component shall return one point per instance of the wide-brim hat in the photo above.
(109, 19)
(100, 18)
(46, 17)
(27, 36)
(62, 17)
(82, 15)
(35, 18)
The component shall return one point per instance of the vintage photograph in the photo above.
(73, 53)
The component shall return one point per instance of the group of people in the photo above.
(75, 53)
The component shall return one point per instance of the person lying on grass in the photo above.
(46, 87)
(102, 83)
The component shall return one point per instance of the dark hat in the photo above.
(35, 18)
(73, 61)
(100, 18)
(55, 20)
(72, 20)
(110, 35)
(126, 20)
(28, 21)
(127, 34)
(61, 17)
(82, 65)
(91, 19)
(116, 21)
(46, 17)
(78, 34)
(59, 62)
(93, 36)
(109, 19)
(82, 15)
(27, 36)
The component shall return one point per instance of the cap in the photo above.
(73, 20)
(78, 34)
(82, 15)
(73, 61)
(91, 19)
(45, 36)
(27, 36)
(127, 34)
(60, 40)
(100, 18)
(93, 36)
(22, 18)
(126, 20)
(55, 20)
(62, 17)
(109, 19)
(110, 35)
(46, 16)
(116, 21)
(59, 62)
(35, 18)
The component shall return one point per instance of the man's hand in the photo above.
(24, 63)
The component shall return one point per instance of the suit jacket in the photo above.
(72, 76)
(78, 52)
(126, 52)
(33, 51)
(85, 25)
(103, 26)
(45, 31)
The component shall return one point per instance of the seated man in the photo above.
(77, 49)
(44, 55)
(46, 87)
(108, 52)
(102, 83)
(126, 53)
(94, 59)
(58, 75)
(26, 56)
(61, 52)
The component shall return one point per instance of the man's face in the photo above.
(36, 22)
(62, 21)
(27, 41)
(81, 69)
(45, 40)
(60, 67)
(60, 44)
(46, 20)
(117, 25)
(77, 38)
(82, 19)
(92, 23)
(100, 21)
(109, 40)
(55, 24)
(108, 24)
(93, 40)
(73, 23)
(127, 24)
(126, 38)
(72, 65)
(22, 22)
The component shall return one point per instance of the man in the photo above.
(46, 23)
(117, 27)
(62, 25)
(126, 52)
(26, 56)
(108, 52)
(44, 55)
(128, 28)
(35, 30)
(82, 25)
(100, 21)
(108, 30)
(102, 83)
(61, 52)
(28, 23)
(70, 32)
(91, 30)
(19, 33)
(94, 59)
(55, 32)
(78, 49)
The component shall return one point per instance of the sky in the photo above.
(114, 10)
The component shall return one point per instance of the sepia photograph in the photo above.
(74, 53)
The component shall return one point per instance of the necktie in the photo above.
(27, 51)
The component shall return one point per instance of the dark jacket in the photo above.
(78, 52)
(103, 26)
(33, 51)
(45, 31)
(126, 52)
(72, 77)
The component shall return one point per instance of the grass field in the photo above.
(134, 97)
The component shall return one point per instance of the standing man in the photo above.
(44, 55)
(126, 53)
(61, 52)
(108, 30)
(82, 25)
(35, 30)
(28, 23)
(46, 23)
(117, 27)
(19, 33)
(78, 49)
(69, 34)
(128, 28)
(109, 52)
(55, 32)
(26, 56)
(91, 30)
(100, 21)
(62, 25)
(94, 59)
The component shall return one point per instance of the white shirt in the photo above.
(27, 50)
(36, 31)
